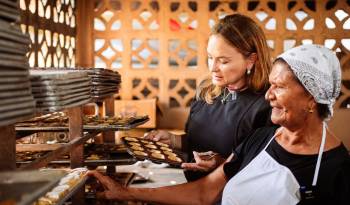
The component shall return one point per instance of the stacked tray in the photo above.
(105, 82)
(154, 151)
(16, 100)
(55, 90)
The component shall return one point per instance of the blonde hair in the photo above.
(247, 37)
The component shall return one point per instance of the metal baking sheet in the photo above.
(16, 93)
(125, 126)
(13, 47)
(149, 151)
(16, 106)
(25, 187)
(71, 192)
(20, 58)
(15, 79)
(56, 74)
(8, 72)
(73, 81)
(63, 87)
(16, 113)
(37, 92)
(61, 100)
(7, 101)
(7, 15)
(59, 108)
(16, 86)
(13, 4)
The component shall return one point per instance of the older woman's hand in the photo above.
(112, 190)
(204, 163)
(159, 135)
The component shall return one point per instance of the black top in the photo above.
(221, 127)
(333, 184)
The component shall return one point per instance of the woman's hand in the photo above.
(204, 162)
(159, 135)
(112, 190)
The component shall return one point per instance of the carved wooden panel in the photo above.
(159, 46)
(51, 27)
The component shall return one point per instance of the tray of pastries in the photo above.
(58, 121)
(94, 155)
(155, 151)
(66, 187)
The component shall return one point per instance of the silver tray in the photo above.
(11, 114)
(13, 47)
(62, 99)
(15, 86)
(7, 101)
(16, 93)
(5, 71)
(37, 92)
(59, 108)
(57, 75)
(27, 186)
(62, 87)
(16, 106)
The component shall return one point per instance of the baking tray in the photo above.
(99, 127)
(13, 63)
(18, 112)
(71, 192)
(24, 187)
(86, 90)
(154, 151)
(9, 14)
(13, 72)
(16, 106)
(13, 47)
(6, 101)
(58, 101)
(15, 79)
(17, 93)
(37, 87)
(62, 107)
(16, 86)
(61, 99)
(57, 75)
(13, 4)
(12, 57)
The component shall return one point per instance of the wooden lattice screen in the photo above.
(159, 46)
(51, 27)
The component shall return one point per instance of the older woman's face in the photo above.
(226, 64)
(288, 98)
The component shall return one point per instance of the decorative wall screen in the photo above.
(159, 46)
(51, 27)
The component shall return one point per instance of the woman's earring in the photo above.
(248, 71)
(311, 110)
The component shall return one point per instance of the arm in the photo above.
(204, 191)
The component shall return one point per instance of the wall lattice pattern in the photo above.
(159, 47)
(51, 27)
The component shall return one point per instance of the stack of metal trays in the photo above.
(55, 90)
(105, 82)
(16, 99)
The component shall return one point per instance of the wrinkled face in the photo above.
(288, 98)
(226, 64)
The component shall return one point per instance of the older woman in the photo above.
(301, 162)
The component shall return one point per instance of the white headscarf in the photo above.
(318, 69)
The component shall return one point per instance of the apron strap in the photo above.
(273, 137)
(320, 152)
